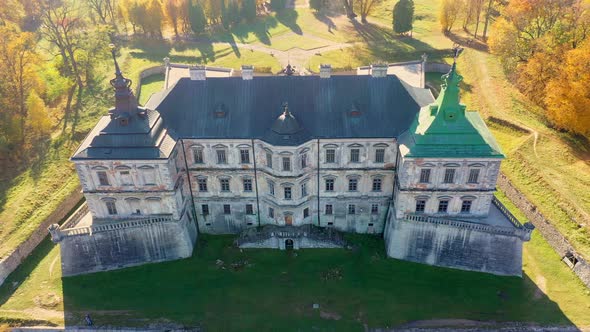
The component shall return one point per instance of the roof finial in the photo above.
(286, 108)
(457, 49)
(113, 52)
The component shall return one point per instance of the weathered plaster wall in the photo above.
(127, 246)
(543, 225)
(455, 247)
(12, 261)
(270, 173)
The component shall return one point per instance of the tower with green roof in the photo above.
(445, 210)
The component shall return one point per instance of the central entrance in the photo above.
(288, 244)
(288, 219)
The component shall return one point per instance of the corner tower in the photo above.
(445, 210)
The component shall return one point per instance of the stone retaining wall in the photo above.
(437, 67)
(559, 243)
(10, 263)
(147, 73)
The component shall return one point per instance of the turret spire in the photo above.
(448, 100)
(125, 102)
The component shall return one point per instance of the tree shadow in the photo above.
(259, 28)
(467, 41)
(322, 17)
(384, 45)
(288, 17)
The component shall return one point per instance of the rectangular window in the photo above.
(377, 184)
(449, 175)
(287, 192)
(271, 188)
(126, 179)
(286, 164)
(247, 184)
(351, 209)
(221, 159)
(420, 206)
(466, 206)
(353, 184)
(224, 184)
(226, 209)
(329, 209)
(329, 184)
(330, 156)
(249, 209)
(425, 175)
(374, 208)
(205, 209)
(380, 155)
(305, 212)
(271, 212)
(244, 156)
(198, 156)
(443, 206)
(149, 176)
(473, 175)
(304, 189)
(355, 155)
(304, 160)
(102, 178)
(111, 207)
(269, 160)
(202, 182)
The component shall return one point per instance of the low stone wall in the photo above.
(437, 67)
(10, 263)
(454, 246)
(559, 243)
(147, 73)
(128, 243)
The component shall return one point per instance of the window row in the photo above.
(354, 155)
(450, 175)
(227, 209)
(134, 206)
(147, 176)
(353, 184)
(443, 205)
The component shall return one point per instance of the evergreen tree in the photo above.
(224, 18)
(403, 16)
(233, 13)
(249, 10)
(197, 17)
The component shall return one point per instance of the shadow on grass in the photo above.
(275, 290)
(467, 41)
(288, 17)
(384, 45)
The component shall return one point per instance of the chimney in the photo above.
(247, 72)
(197, 73)
(325, 71)
(379, 70)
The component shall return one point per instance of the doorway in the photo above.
(288, 244)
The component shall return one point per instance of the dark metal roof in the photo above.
(336, 107)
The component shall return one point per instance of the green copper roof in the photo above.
(444, 129)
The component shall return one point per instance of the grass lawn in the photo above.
(276, 290)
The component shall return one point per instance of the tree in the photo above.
(38, 121)
(20, 76)
(197, 17)
(349, 7)
(172, 11)
(249, 10)
(449, 13)
(365, 7)
(403, 16)
(568, 95)
(154, 18)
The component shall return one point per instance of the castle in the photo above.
(300, 156)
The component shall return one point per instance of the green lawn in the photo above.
(276, 290)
